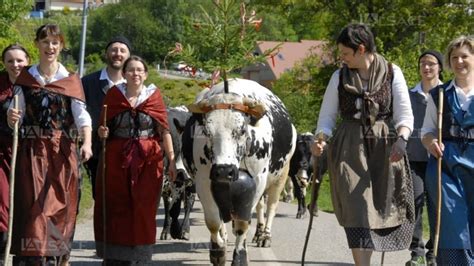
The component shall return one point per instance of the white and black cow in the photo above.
(183, 189)
(237, 146)
(301, 171)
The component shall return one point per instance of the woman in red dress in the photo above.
(14, 58)
(136, 126)
(51, 112)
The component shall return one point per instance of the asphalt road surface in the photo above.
(327, 245)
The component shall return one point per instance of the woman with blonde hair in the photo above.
(456, 238)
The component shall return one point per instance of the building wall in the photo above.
(72, 4)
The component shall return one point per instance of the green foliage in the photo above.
(93, 62)
(11, 11)
(86, 201)
(224, 39)
(151, 25)
(175, 92)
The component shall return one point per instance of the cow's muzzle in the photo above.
(233, 191)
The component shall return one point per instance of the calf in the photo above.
(238, 146)
(183, 189)
(301, 170)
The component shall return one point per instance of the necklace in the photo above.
(46, 77)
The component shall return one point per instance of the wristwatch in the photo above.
(403, 138)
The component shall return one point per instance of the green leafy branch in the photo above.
(223, 40)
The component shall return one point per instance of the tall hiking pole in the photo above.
(104, 142)
(312, 205)
(12, 187)
(440, 161)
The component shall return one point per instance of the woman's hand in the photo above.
(318, 147)
(103, 132)
(172, 170)
(85, 152)
(399, 149)
(13, 116)
(435, 149)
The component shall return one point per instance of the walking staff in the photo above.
(312, 204)
(104, 166)
(12, 187)
(440, 161)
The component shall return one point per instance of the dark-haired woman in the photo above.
(14, 58)
(51, 111)
(371, 186)
(136, 125)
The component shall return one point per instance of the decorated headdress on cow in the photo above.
(235, 47)
(231, 101)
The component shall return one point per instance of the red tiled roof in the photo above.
(285, 57)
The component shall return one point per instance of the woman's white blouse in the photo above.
(431, 116)
(78, 108)
(402, 113)
(144, 93)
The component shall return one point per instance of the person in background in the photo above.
(136, 125)
(456, 237)
(371, 186)
(96, 86)
(430, 66)
(14, 58)
(51, 112)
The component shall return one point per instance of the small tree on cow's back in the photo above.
(223, 40)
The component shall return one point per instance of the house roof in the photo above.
(285, 57)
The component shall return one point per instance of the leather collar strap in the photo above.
(232, 106)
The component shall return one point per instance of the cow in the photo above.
(301, 171)
(183, 189)
(237, 146)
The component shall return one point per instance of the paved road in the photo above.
(327, 244)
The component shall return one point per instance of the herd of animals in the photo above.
(236, 149)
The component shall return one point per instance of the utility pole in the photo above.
(83, 39)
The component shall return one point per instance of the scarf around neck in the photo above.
(352, 83)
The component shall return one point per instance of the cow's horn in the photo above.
(256, 108)
(198, 107)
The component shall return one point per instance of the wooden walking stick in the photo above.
(104, 142)
(312, 205)
(12, 187)
(440, 160)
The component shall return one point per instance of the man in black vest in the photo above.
(96, 86)
(430, 65)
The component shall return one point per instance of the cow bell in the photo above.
(234, 197)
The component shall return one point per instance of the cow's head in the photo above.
(226, 119)
(302, 157)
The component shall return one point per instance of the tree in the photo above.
(11, 11)
(302, 89)
(223, 40)
(151, 25)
